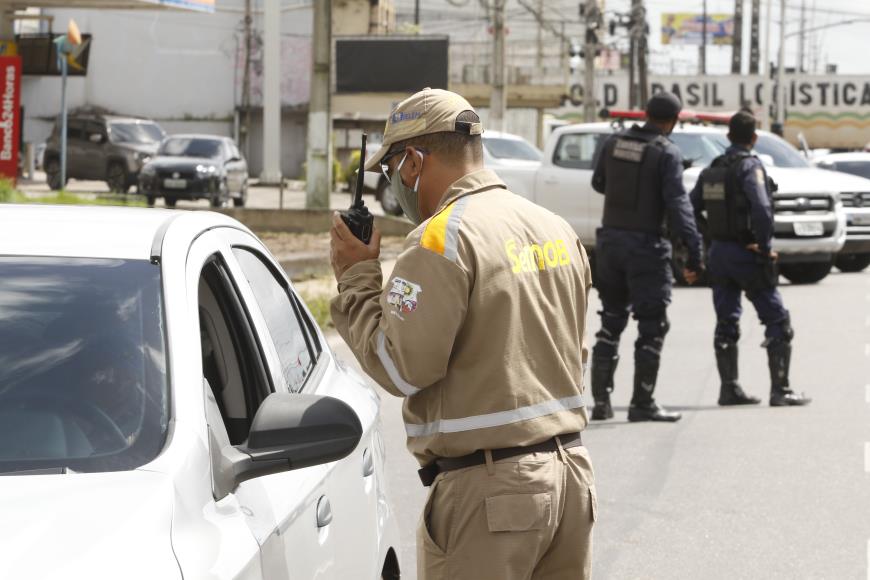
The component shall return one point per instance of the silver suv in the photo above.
(102, 148)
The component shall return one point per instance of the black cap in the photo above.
(663, 106)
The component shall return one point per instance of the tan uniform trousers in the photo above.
(520, 518)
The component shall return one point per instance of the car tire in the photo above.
(243, 197)
(117, 178)
(806, 273)
(52, 174)
(852, 262)
(170, 201)
(388, 200)
(150, 200)
(219, 198)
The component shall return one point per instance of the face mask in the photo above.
(408, 198)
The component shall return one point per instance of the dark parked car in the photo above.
(103, 148)
(196, 167)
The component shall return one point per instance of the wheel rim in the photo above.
(116, 178)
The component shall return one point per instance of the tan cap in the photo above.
(428, 111)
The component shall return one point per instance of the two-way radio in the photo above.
(358, 218)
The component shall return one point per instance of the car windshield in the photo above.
(699, 148)
(859, 168)
(82, 364)
(190, 147)
(135, 132)
(783, 153)
(511, 149)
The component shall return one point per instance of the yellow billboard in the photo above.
(686, 29)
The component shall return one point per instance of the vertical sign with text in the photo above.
(10, 115)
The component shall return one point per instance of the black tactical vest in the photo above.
(633, 191)
(728, 212)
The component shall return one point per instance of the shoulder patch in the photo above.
(759, 175)
(442, 232)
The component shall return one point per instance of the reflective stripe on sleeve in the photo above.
(442, 232)
(451, 242)
(498, 419)
(392, 372)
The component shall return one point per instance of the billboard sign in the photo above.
(686, 29)
(830, 110)
(198, 5)
(391, 65)
(10, 115)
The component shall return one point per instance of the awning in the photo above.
(198, 5)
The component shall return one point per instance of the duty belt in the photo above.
(430, 472)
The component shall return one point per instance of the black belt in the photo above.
(430, 472)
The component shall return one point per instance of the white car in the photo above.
(515, 159)
(855, 255)
(810, 225)
(168, 409)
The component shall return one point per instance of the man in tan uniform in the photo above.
(480, 328)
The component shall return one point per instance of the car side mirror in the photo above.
(292, 431)
(96, 138)
(234, 159)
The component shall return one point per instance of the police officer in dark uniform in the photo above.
(640, 173)
(736, 194)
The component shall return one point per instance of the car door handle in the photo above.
(324, 512)
(551, 181)
(368, 463)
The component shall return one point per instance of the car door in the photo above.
(355, 490)
(564, 185)
(75, 149)
(94, 152)
(280, 511)
(236, 168)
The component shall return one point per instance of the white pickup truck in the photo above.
(810, 223)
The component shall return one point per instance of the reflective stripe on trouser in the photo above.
(522, 518)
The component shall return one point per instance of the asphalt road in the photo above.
(725, 493)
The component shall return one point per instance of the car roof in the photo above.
(501, 135)
(92, 231)
(199, 136)
(851, 156)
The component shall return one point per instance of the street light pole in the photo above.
(593, 17)
(498, 99)
(766, 92)
(64, 73)
(780, 87)
(319, 159)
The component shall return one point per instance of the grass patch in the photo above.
(319, 307)
(8, 194)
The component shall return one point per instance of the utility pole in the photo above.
(539, 60)
(639, 51)
(780, 68)
(737, 40)
(802, 37)
(246, 80)
(766, 91)
(703, 48)
(498, 99)
(319, 157)
(271, 94)
(593, 25)
(753, 37)
(417, 13)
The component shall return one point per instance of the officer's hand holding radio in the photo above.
(346, 249)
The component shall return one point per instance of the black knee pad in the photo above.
(727, 331)
(653, 327)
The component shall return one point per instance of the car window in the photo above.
(699, 148)
(576, 150)
(283, 319)
(859, 168)
(511, 149)
(83, 380)
(139, 132)
(74, 130)
(192, 147)
(232, 362)
(94, 128)
(783, 153)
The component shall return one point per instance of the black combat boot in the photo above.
(779, 360)
(603, 368)
(643, 405)
(730, 392)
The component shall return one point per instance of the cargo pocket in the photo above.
(519, 512)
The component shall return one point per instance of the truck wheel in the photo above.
(852, 262)
(806, 273)
(52, 174)
(116, 178)
(170, 201)
(150, 200)
(388, 200)
(243, 197)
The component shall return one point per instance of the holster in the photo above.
(428, 473)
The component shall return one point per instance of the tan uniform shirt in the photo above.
(480, 327)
